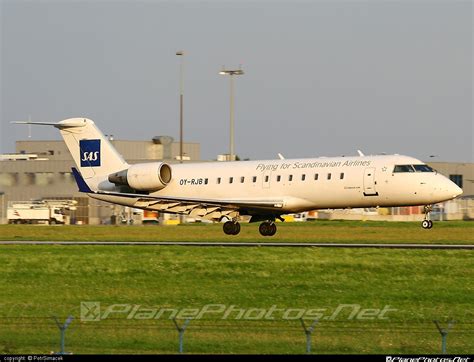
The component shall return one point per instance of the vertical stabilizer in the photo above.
(94, 155)
(92, 152)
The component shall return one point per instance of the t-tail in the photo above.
(94, 155)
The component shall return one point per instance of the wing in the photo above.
(213, 209)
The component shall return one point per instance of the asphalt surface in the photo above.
(242, 244)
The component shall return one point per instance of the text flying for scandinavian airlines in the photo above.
(315, 164)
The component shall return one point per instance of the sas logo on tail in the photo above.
(90, 153)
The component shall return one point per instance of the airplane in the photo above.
(264, 190)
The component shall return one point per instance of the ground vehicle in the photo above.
(150, 217)
(302, 216)
(34, 212)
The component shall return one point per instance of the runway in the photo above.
(242, 244)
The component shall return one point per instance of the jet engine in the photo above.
(151, 176)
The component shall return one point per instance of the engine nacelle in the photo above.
(151, 176)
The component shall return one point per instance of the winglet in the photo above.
(280, 156)
(83, 187)
(360, 153)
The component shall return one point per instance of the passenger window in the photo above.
(266, 178)
(218, 180)
(303, 177)
(254, 179)
(278, 178)
(231, 180)
(316, 176)
(329, 176)
(242, 180)
(290, 178)
(341, 176)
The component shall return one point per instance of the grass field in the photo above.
(453, 232)
(37, 282)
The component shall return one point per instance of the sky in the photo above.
(322, 78)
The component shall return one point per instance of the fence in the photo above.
(67, 334)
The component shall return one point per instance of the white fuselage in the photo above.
(307, 184)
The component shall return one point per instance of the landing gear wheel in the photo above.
(267, 228)
(231, 228)
(263, 228)
(430, 224)
(425, 224)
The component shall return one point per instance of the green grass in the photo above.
(37, 282)
(453, 232)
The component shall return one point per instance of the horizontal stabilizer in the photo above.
(68, 123)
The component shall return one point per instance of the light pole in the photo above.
(181, 71)
(2, 195)
(231, 73)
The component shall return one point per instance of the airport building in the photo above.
(42, 170)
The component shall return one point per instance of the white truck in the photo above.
(34, 212)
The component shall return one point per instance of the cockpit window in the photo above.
(412, 168)
(403, 168)
(423, 168)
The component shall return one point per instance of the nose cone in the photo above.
(455, 190)
(445, 189)
(450, 190)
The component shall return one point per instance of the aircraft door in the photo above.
(369, 182)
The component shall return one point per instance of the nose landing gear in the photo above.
(427, 223)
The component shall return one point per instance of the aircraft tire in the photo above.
(228, 227)
(267, 228)
(231, 228)
(425, 224)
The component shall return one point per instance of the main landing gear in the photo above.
(427, 223)
(267, 228)
(231, 228)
